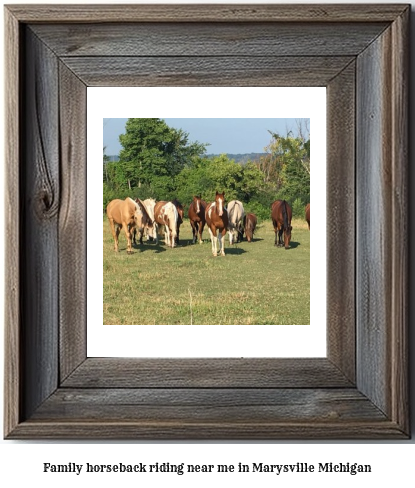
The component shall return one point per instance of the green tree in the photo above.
(292, 156)
(154, 153)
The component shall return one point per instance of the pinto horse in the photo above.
(281, 215)
(307, 215)
(235, 216)
(197, 218)
(165, 213)
(180, 215)
(250, 222)
(217, 221)
(129, 215)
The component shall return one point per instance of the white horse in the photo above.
(165, 213)
(235, 225)
(150, 203)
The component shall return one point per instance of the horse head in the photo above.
(196, 204)
(220, 202)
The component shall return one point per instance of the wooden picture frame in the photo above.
(360, 53)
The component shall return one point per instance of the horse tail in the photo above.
(144, 211)
(285, 214)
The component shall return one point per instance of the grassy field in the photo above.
(255, 283)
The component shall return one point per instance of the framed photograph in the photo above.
(54, 55)
(182, 302)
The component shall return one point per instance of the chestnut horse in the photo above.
(217, 221)
(281, 215)
(250, 222)
(235, 216)
(307, 215)
(165, 213)
(129, 215)
(197, 218)
(180, 215)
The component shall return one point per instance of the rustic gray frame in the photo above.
(360, 53)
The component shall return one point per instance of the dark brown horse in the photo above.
(197, 218)
(307, 215)
(217, 221)
(250, 222)
(281, 215)
(180, 215)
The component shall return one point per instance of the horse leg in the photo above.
(201, 227)
(230, 237)
(193, 225)
(128, 236)
(213, 240)
(221, 236)
(141, 231)
(280, 242)
(115, 233)
(178, 235)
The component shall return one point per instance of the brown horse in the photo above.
(217, 221)
(281, 215)
(165, 213)
(180, 215)
(197, 218)
(129, 215)
(307, 215)
(250, 222)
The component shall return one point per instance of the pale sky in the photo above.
(235, 136)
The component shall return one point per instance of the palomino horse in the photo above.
(281, 215)
(180, 215)
(217, 221)
(235, 215)
(197, 218)
(250, 222)
(165, 213)
(307, 215)
(129, 215)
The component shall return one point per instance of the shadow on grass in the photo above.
(157, 248)
(234, 251)
(255, 239)
(293, 245)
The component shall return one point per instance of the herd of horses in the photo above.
(149, 217)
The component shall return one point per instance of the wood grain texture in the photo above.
(12, 371)
(39, 213)
(207, 373)
(400, 262)
(374, 214)
(236, 39)
(210, 405)
(72, 222)
(213, 431)
(341, 313)
(207, 71)
(206, 13)
(382, 268)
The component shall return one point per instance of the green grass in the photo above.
(254, 283)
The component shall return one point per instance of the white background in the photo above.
(21, 463)
(301, 340)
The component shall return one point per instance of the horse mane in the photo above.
(144, 210)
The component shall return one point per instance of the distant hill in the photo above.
(238, 158)
(241, 158)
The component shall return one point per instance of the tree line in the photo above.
(159, 161)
